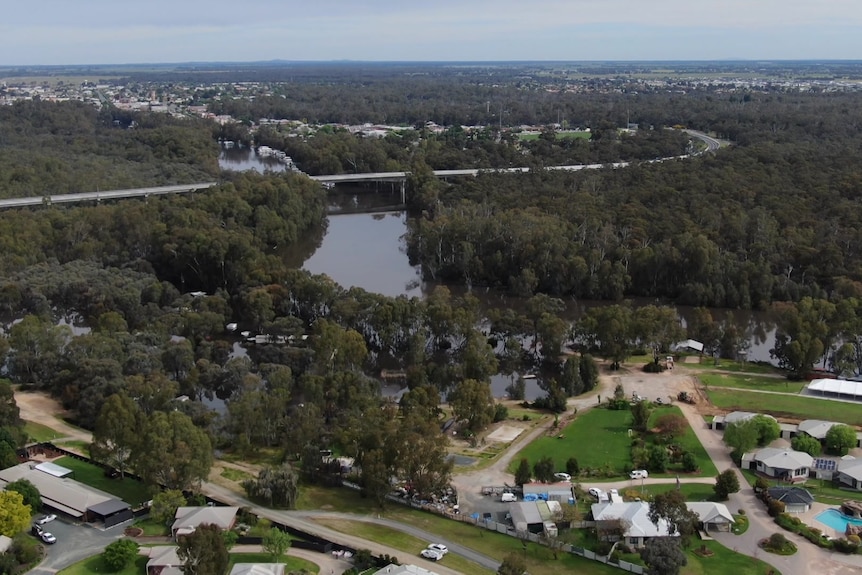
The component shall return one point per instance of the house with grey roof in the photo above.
(722, 421)
(795, 499)
(850, 473)
(628, 522)
(712, 516)
(403, 570)
(187, 519)
(163, 560)
(257, 569)
(816, 428)
(781, 464)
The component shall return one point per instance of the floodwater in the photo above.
(243, 159)
(363, 246)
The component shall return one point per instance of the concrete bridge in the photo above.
(47, 200)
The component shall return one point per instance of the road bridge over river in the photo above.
(395, 177)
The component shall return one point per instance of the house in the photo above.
(722, 421)
(850, 473)
(816, 428)
(187, 519)
(630, 518)
(257, 569)
(781, 464)
(712, 516)
(403, 570)
(163, 560)
(795, 499)
(561, 491)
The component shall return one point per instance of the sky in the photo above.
(65, 32)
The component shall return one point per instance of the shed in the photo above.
(530, 516)
(112, 512)
(560, 491)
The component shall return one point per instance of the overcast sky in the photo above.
(123, 31)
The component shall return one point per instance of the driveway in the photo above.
(74, 543)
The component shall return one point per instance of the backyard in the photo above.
(129, 490)
(688, 441)
(790, 406)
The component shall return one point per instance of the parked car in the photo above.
(439, 547)
(46, 519)
(431, 554)
(639, 474)
(563, 476)
(47, 538)
(596, 492)
(614, 493)
(508, 498)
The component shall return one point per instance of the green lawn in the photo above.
(792, 406)
(692, 491)
(290, 563)
(235, 474)
(723, 561)
(95, 564)
(411, 545)
(689, 442)
(152, 528)
(129, 490)
(707, 364)
(752, 382)
(597, 439)
(39, 433)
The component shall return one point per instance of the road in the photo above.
(711, 143)
(49, 199)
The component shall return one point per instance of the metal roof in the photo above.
(839, 386)
(109, 507)
(66, 495)
(54, 469)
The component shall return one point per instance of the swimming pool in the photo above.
(836, 520)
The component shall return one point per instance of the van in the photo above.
(639, 474)
(508, 498)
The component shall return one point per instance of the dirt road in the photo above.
(40, 408)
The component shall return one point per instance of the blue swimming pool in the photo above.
(836, 520)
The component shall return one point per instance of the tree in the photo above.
(523, 474)
(14, 514)
(663, 555)
(610, 329)
(640, 415)
(572, 467)
(840, 439)
(116, 433)
(277, 485)
(741, 437)
(165, 505)
(671, 507)
(28, 491)
(726, 483)
(472, 402)
(671, 425)
(120, 554)
(203, 552)
(658, 458)
(172, 451)
(513, 564)
(543, 469)
(689, 462)
(589, 372)
(276, 542)
(570, 378)
(804, 331)
(807, 444)
(768, 429)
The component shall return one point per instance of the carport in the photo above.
(111, 512)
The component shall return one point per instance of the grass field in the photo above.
(235, 474)
(722, 561)
(752, 382)
(689, 442)
(692, 491)
(597, 439)
(39, 433)
(95, 564)
(152, 528)
(290, 563)
(707, 364)
(411, 545)
(129, 490)
(791, 406)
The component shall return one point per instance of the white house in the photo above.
(713, 516)
(782, 464)
(632, 518)
(850, 473)
(187, 519)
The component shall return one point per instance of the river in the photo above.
(366, 250)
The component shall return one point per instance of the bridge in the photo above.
(329, 180)
(47, 200)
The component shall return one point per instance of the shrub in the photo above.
(25, 549)
(777, 541)
(844, 546)
(654, 367)
(761, 485)
(689, 462)
(119, 554)
(775, 508)
(740, 511)
(854, 539)
(501, 413)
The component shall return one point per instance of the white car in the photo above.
(508, 497)
(439, 548)
(431, 554)
(563, 476)
(46, 519)
(639, 474)
(47, 538)
(614, 493)
(596, 492)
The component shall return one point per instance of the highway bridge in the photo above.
(106, 195)
(395, 177)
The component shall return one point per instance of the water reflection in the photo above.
(244, 159)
